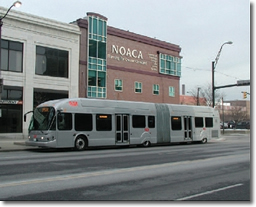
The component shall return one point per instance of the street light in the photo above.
(214, 63)
(15, 4)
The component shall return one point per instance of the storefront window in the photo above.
(41, 96)
(11, 111)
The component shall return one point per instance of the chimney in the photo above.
(183, 89)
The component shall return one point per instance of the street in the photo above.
(218, 170)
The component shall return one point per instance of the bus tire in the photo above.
(204, 141)
(81, 143)
(146, 144)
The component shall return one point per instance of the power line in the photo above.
(200, 69)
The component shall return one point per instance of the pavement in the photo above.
(9, 144)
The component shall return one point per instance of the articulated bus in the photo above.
(81, 123)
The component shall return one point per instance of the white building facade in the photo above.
(39, 62)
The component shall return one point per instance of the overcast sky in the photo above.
(199, 27)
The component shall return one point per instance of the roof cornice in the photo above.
(37, 20)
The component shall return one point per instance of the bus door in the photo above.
(188, 128)
(122, 129)
(65, 133)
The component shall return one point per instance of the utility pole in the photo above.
(198, 102)
(214, 64)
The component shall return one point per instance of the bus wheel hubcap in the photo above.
(80, 143)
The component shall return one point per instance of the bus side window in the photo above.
(138, 121)
(83, 122)
(176, 123)
(64, 121)
(103, 122)
(151, 122)
(199, 122)
(209, 122)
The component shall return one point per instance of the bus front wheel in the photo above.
(81, 143)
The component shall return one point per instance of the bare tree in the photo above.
(238, 113)
(198, 99)
(206, 92)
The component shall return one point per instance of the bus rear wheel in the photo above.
(81, 143)
(146, 144)
(204, 140)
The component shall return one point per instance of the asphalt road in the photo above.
(218, 170)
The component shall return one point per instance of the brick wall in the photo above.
(132, 57)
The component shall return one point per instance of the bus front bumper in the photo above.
(50, 144)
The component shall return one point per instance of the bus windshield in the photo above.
(43, 119)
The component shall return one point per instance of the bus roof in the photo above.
(78, 103)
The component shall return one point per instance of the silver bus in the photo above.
(81, 123)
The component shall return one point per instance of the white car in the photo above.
(225, 125)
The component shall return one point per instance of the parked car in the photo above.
(243, 125)
(231, 124)
(225, 125)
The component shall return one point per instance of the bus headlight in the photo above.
(42, 137)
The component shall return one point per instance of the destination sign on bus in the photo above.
(103, 116)
(45, 109)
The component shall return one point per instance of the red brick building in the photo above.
(191, 100)
(121, 65)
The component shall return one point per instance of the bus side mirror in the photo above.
(25, 115)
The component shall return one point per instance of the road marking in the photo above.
(209, 192)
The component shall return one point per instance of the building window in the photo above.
(11, 110)
(156, 89)
(96, 92)
(51, 62)
(170, 65)
(138, 87)
(97, 29)
(118, 85)
(171, 91)
(41, 96)
(11, 56)
(97, 49)
(97, 65)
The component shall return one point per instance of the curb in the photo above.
(235, 131)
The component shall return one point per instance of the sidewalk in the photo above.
(7, 145)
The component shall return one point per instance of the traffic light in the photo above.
(245, 95)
